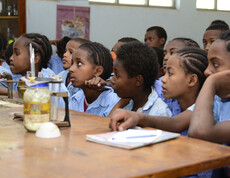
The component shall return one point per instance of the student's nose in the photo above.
(11, 58)
(207, 46)
(163, 79)
(208, 72)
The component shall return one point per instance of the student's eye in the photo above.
(151, 39)
(212, 41)
(17, 53)
(171, 53)
(204, 43)
(70, 51)
(215, 64)
(79, 63)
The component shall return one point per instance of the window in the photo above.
(213, 4)
(158, 3)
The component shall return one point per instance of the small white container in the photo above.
(48, 130)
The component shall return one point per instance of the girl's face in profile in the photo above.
(171, 47)
(82, 69)
(175, 79)
(20, 60)
(71, 46)
(123, 85)
(218, 58)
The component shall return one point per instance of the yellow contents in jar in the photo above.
(36, 106)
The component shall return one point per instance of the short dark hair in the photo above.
(139, 59)
(100, 56)
(161, 33)
(219, 22)
(187, 41)
(218, 27)
(194, 61)
(127, 39)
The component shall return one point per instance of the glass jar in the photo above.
(36, 106)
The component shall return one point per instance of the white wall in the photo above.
(109, 23)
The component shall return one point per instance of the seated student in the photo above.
(90, 60)
(136, 69)
(212, 33)
(122, 41)
(210, 119)
(183, 79)
(20, 60)
(55, 63)
(156, 36)
(173, 46)
(214, 115)
(71, 46)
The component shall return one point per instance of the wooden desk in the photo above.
(22, 154)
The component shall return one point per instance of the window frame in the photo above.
(214, 9)
(134, 5)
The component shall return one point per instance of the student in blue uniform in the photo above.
(20, 60)
(92, 60)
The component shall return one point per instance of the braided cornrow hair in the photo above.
(100, 56)
(187, 41)
(194, 61)
(41, 45)
(226, 37)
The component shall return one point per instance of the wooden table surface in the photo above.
(22, 154)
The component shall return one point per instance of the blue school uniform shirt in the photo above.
(102, 106)
(173, 104)
(71, 89)
(55, 64)
(154, 106)
(221, 109)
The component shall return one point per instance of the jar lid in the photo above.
(40, 85)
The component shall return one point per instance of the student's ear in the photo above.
(37, 58)
(193, 79)
(162, 41)
(99, 70)
(139, 80)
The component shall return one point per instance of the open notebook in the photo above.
(132, 138)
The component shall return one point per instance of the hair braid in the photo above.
(99, 55)
(194, 61)
(41, 45)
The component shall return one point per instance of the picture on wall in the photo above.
(73, 21)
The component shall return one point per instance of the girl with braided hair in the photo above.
(20, 60)
(92, 60)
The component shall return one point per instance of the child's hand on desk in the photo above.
(221, 83)
(123, 119)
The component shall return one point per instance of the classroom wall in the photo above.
(109, 23)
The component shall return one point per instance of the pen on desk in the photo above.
(133, 137)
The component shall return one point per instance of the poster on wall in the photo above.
(73, 21)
